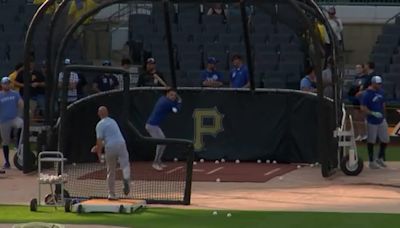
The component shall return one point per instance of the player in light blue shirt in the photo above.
(308, 83)
(171, 102)
(110, 137)
(239, 74)
(10, 101)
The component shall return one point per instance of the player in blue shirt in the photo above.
(110, 137)
(308, 83)
(239, 74)
(171, 102)
(373, 105)
(210, 77)
(10, 101)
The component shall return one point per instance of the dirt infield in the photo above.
(299, 190)
(207, 171)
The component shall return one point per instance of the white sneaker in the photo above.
(365, 137)
(381, 163)
(358, 138)
(163, 165)
(112, 197)
(157, 167)
(374, 165)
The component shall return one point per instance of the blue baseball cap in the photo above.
(376, 79)
(5, 80)
(106, 63)
(212, 60)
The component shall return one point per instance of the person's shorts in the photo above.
(378, 131)
(6, 128)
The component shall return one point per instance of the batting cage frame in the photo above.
(308, 11)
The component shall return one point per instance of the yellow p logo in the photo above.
(201, 127)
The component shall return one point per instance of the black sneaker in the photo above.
(126, 187)
(6, 165)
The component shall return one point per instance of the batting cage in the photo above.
(270, 119)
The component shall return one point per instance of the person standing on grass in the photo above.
(373, 105)
(110, 137)
(10, 102)
(171, 102)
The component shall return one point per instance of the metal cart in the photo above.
(56, 177)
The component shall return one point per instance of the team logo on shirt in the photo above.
(207, 121)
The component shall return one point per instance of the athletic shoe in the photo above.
(112, 197)
(6, 166)
(381, 163)
(157, 167)
(358, 138)
(163, 165)
(126, 187)
(374, 165)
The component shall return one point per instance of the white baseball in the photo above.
(218, 180)
(202, 160)
(228, 215)
(237, 161)
(175, 110)
(215, 213)
(216, 162)
(222, 160)
(259, 161)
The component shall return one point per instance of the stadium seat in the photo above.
(383, 48)
(394, 68)
(391, 29)
(389, 90)
(388, 39)
(381, 58)
(380, 68)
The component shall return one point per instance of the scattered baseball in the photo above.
(298, 166)
(222, 160)
(267, 161)
(194, 163)
(201, 160)
(175, 159)
(237, 161)
(218, 180)
(316, 164)
(311, 165)
(274, 162)
(216, 162)
(281, 178)
(74, 164)
(215, 213)
(258, 161)
(228, 215)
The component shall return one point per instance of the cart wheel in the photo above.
(34, 205)
(351, 170)
(68, 205)
(80, 209)
(121, 209)
(49, 200)
(18, 162)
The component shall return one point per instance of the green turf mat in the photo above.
(167, 217)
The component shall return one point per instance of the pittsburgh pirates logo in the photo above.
(206, 122)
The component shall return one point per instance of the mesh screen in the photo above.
(88, 180)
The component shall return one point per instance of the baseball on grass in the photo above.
(215, 213)
(228, 215)
(201, 160)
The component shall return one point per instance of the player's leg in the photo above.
(372, 132)
(384, 140)
(156, 132)
(125, 167)
(5, 131)
(111, 162)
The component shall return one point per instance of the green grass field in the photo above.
(167, 217)
(392, 152)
